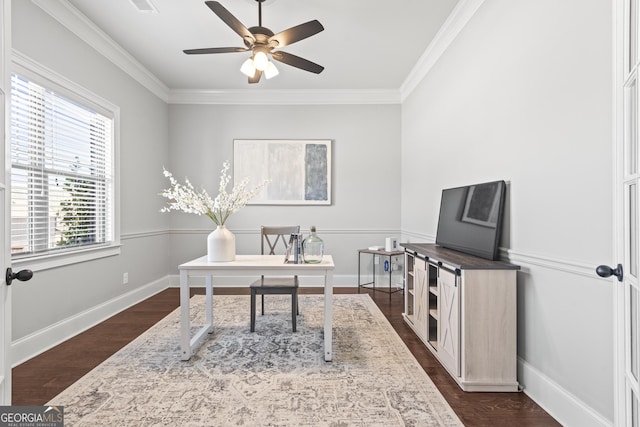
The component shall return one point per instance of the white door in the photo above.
(5, 256)
(627, 180)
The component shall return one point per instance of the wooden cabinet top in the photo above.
(456, 259)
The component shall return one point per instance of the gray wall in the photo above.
(524, 94)
(365, 176)
(61, 293)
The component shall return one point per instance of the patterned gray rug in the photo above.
(272, 377)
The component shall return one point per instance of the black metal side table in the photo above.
(381, 253)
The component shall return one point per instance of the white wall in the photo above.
(524, 94)
(365, 175)
(60, 294)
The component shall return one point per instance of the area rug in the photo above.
(272, 377)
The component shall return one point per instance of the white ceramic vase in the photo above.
(221, 245)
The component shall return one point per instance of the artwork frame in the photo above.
(299, 170)
(482, 204)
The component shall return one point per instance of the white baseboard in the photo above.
(40, 341)
(566, 408)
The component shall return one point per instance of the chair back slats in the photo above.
(272, 235)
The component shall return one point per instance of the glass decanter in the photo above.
(312, 248)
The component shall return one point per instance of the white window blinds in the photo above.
(61, 172)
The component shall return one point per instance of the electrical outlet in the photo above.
(125, 278)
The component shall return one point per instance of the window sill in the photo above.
(49, 261)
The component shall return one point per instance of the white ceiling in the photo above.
(366, 45)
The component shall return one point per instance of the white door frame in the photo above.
(622, 107)
(618, 139)
(5, 204)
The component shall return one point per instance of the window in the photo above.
(62, 172)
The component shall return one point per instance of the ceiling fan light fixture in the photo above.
(271, 71)
(248, 68)
(260, 60)
(261, 42)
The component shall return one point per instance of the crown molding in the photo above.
(284, 97)
(455, 23)
(73, 20)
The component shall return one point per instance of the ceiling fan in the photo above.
(261, 41)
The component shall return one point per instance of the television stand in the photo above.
(463, 308)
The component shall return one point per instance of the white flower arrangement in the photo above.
(187, 199)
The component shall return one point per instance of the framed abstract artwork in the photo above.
(299, 171)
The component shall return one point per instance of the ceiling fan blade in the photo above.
(215, 50)
(230, 20)
(297, 33)
(256, 77)
(296, 61)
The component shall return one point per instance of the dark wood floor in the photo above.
(38, 380)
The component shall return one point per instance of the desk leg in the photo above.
(328, 316)
(390, 274)
(185, 335)
(359, 256)
(209, 304)
(373, 260)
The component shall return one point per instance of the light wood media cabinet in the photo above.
(464, 310)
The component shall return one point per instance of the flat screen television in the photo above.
(471, 219)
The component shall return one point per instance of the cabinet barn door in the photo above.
(449, 322)
(421, 286)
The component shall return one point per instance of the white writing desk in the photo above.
(247, 265)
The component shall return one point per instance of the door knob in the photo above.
(606, 271)
(22, 275)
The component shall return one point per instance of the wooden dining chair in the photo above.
(274, 241)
